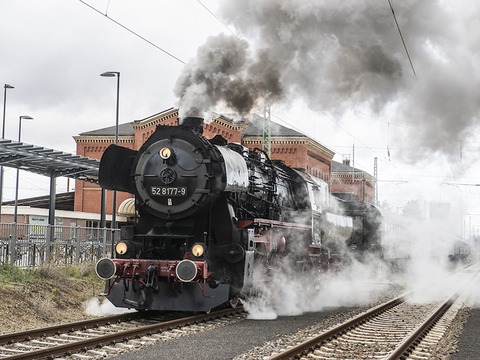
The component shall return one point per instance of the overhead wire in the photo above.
(380, 120)
(216, 17)
(132, 32)
(303, 133)
(388, 123)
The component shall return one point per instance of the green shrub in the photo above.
(11, 273)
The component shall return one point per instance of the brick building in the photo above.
(295, 149)
(350, 183)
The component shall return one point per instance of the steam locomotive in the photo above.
(212, 218)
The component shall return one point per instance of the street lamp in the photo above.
(114, 204)
(5, 87)
(15, 214)
(13, 252)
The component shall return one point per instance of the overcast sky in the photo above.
(337, 71)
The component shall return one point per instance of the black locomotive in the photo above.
(213, 217)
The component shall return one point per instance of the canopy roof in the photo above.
(48, 162)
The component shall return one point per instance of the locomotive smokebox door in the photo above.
(175, 173)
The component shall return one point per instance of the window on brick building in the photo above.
(93, 223)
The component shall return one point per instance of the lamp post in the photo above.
(5, 87)
(13, 253)
(114, 202)
(23, 117)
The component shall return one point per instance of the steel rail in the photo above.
(408, 344)
(78, 325)
(310, 344)
(102, 340)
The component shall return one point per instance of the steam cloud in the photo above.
(338, 55)
(414, 261)
(94, 306)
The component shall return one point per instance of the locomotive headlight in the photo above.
(165, 153)
(198, 250)
(105, 268)
(121, 247)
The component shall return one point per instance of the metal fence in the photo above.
(33, 245)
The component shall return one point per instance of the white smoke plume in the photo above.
(415, 256)
(290, 294)
(338, 55)
(95, 306)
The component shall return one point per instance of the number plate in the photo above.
(168, 191)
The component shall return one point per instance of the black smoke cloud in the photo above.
(225, 73)
(339, 55)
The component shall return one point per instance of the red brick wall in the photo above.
(294, 155)
(230, 134)
(318, 166)
(362, 186)
(88, 195)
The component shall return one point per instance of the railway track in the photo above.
(91, 339)
(398, 329)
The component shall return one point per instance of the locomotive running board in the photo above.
(272, 223)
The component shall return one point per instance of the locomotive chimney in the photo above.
(193, 122)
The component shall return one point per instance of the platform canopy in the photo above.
(47, 162)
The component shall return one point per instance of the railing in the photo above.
(33, 245)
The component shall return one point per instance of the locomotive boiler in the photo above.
(210, 216)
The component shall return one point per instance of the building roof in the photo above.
(255, 128)
(63, 201)
(127, 129)
(342, 170)
(123, 130)
(341, 167)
